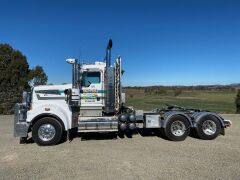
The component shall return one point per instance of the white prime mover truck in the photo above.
(94, 102)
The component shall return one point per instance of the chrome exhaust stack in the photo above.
(108, 53)
(109, 82)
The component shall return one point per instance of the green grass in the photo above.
(220, 101)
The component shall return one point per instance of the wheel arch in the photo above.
(167, 116)
(198, 116)
(40, 116)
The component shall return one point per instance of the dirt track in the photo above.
(149, 157)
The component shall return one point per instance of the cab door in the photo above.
(92, 92)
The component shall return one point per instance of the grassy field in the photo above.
(221, 101)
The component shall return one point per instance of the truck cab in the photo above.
(92, 103)
(92, 89)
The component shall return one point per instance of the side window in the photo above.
(90, 78)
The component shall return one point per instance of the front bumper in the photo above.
(20, 125)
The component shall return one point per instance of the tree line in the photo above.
(16, 77)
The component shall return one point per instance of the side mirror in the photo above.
(71, 61)
(68, 95)
(66, 91)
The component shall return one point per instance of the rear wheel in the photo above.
(47, 131)
(177, 128)
(208, 127)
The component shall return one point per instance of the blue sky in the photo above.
(165, 42)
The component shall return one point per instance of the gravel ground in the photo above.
(105, 157)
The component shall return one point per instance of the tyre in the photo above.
(47, 131)
(177, 128)
(208, 127)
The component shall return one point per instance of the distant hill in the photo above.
(236, 85)
(196, 87)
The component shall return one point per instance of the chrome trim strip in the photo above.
(49, 98)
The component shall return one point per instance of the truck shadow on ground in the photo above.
(30, 141)
(115, 135)
(121, 135)
(151, 132)
(96, 136)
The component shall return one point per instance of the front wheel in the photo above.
(208, 127)
(177, 128)
(47, 131)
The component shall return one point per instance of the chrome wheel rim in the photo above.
(178, 128)
(46, 132)
(209, 127)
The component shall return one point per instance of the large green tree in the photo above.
(38, 76)
(15, 76)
